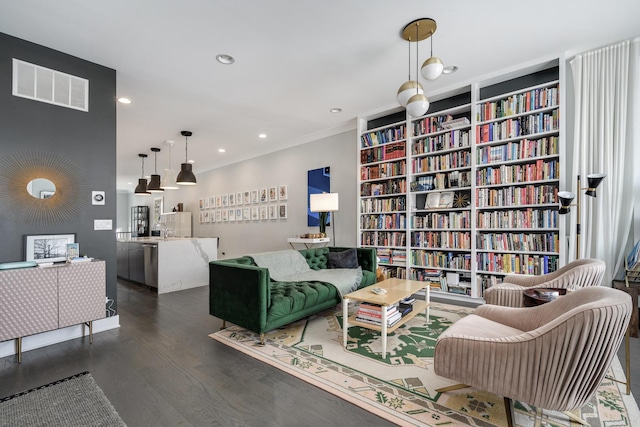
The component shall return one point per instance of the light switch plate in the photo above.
(102, 224)
(97, 197)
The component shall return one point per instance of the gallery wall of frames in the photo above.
(263, 204)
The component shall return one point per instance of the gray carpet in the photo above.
(73, 401)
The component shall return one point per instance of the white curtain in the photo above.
(606, 131)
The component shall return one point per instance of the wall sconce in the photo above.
(186, 176)
(324, 203)
(566, 197)
(141, 188)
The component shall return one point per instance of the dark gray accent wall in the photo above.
(86, 138)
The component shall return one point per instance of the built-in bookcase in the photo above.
(468, 193)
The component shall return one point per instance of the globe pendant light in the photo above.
(154, 182)
(410, 87)
(141, 188)
(432, 67)
(169, 179)
(186, 176)
(418, 104)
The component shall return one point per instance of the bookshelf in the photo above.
(468, 193)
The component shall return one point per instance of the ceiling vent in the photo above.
(46, 85)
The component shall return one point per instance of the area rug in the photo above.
(401, 388)
(73, 401)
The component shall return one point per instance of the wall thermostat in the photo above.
(97, 197)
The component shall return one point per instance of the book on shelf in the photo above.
(391, 320)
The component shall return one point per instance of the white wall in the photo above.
(287, 167)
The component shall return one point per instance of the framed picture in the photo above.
(246, 214)
(206, 203)
(282, 193)
(158, 203)
(47, 247)
(432, 201)
(282, 211)
(255, 213)
(225, 200)
(273, 194)
(232, 199)
(232, 215)
(263, 195)
(254, 196)
(446, 199)
(212, 202)
(205, 219)
(238, 199)
(238, 214)
(201, 203)
(247, 197)
(225, 215)
(201, 217)
(212, 216)
(273, 212)
(218, 216)
(263, 212)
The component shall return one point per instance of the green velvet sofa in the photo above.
(243, 294)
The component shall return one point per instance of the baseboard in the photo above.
(8, 348)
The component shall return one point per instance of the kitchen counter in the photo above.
(176, 263)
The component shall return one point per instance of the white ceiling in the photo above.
(294, 61)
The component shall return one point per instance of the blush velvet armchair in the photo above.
(552, 356)
(577, 274)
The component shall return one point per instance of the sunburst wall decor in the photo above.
(20, 168)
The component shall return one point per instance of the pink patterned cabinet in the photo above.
(35, 300)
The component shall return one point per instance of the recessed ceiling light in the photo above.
(124, 100)
(221, 150)
(262, 135)
(223, 58)
(191, 161)
(129, 183)
(336, 110)
(450, 69)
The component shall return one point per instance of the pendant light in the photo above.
(432, 67)
(154, 182)
(169, 178)
(410, 87)
(418, 104)
(186, 176)
(141, 188)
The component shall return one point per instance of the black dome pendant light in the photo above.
(154, 182)
(186, 176)
(141, 188)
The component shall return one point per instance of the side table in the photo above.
(539, 296)
(308, 243)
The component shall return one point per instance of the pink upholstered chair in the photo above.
(552, 356)
(577, 274)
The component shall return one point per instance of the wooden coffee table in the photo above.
(397, 290)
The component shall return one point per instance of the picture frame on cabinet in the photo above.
(282, 211)
(273, 211)
(273, 194)
(255, 215)
(254, 196)
(232, 215)
(263, 213)
(238, 199)
(263, 195)
(247, 197)
(232, 199)
(47, 247)
(246, 214)
(218, 216)
(283, 193)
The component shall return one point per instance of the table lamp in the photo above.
(324, 203)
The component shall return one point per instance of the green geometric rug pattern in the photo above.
(401, 388)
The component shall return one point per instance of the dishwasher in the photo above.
(150, 265)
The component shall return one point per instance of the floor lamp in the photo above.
(566, 197)
(324, 203)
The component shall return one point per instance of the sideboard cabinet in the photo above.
(41, 299)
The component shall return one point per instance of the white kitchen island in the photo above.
(171, 264)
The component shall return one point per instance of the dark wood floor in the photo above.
(161, 368)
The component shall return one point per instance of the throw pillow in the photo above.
(344, 259)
